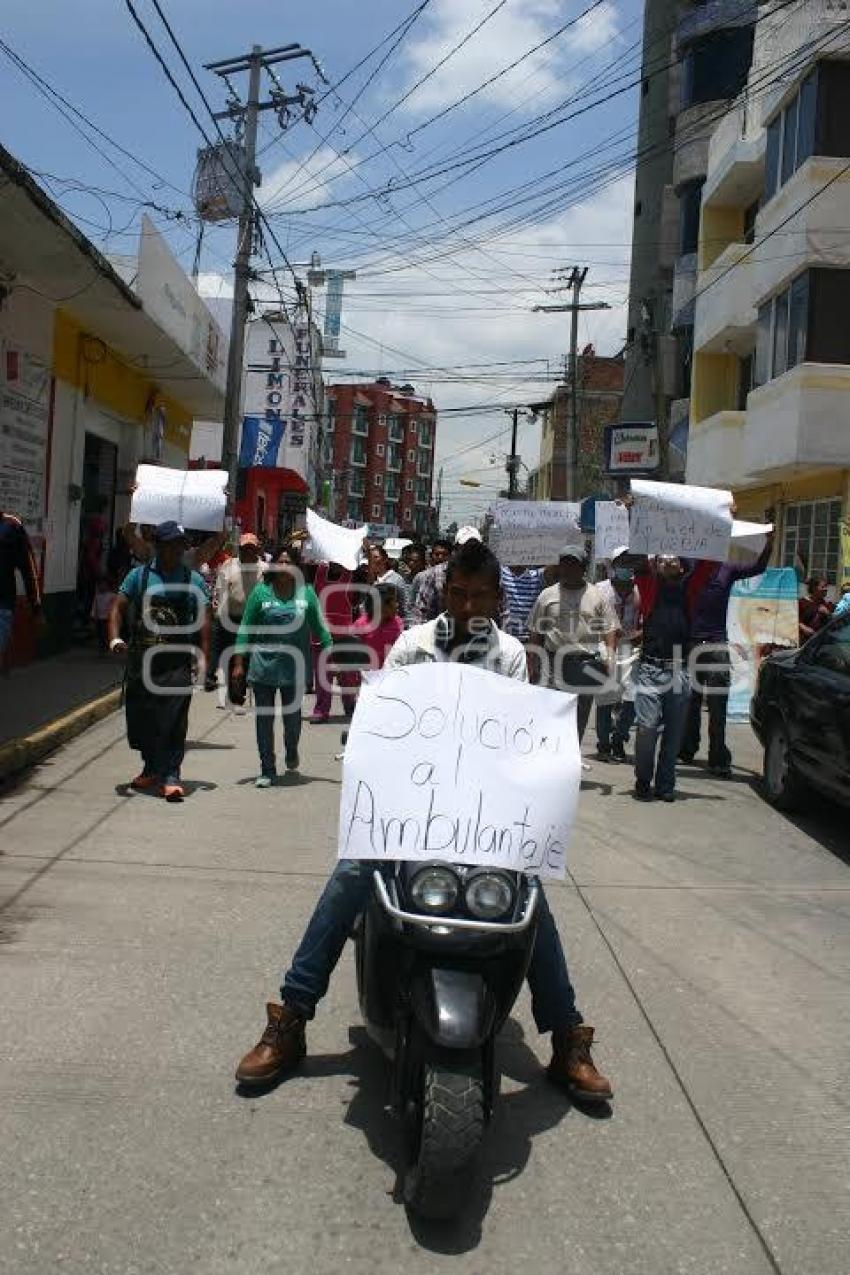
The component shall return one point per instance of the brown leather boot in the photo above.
(280, 1048)
(572, 1065)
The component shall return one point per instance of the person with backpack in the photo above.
(164, 608)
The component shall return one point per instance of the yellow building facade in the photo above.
(770, 384)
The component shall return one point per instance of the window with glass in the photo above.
(690, 202)
(358, 451)
(355, 510)
(806, 322)
(356, 484)
(716, 66)
(361, 421)
(816, 121)
(745, 380)
(811, 533)
(396, 428)
(390, 511)
(425, 433)
(393, 457)
(424, 462)
(833, 649)
(423, 493)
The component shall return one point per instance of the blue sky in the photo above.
(452, 242)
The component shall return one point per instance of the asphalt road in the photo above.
(709, 941)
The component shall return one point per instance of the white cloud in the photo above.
(299, 184)
(441, 331)
(404, 323)
(517, 27)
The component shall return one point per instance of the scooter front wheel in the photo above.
(447, 1126)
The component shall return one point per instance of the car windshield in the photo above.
(833, 650)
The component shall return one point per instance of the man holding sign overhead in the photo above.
(464, 634)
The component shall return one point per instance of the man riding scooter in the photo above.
(464, 632)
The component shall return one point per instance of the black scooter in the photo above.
(442, 953)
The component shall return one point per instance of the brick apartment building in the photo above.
(380, 455)
(600, 394)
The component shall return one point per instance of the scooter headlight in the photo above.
(434, 889)
(489, 895)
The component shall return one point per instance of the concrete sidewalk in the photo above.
(45, 703)
(709, 942)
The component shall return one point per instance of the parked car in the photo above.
(801, 714)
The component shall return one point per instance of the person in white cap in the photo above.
(426, 600)
(573, 634)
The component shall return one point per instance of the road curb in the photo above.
(20, 754)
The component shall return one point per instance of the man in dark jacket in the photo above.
(710, 663)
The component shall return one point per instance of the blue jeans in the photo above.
(661, 702)
(346, 894)
(608, 725)
(264, 699)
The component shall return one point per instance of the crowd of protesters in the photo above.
(644, 647)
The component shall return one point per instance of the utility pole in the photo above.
(513, 459)
(574, 280)
(246, 116)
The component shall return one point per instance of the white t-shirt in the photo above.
(577, 619)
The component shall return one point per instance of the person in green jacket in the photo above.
(273, 653)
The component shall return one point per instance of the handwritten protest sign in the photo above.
(750, 536)
(330, 543)
(612, 528)
(449, 762)
(193, 497)
(531, 533)
(675, 518)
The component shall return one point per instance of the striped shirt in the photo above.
(520, 592)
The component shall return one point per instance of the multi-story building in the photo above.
(281, 444)
(600, 393)
(770, 400)
(696, 56)
(381, 440)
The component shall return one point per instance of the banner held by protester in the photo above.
(454, 763)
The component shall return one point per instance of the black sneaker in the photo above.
(643, 792)
(293, 761)
(665, 796)
(618, 751)
(604, 754)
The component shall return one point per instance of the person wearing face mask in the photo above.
(614, 720)
(662, 688)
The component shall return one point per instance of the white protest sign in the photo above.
(193, 497)
(531, 533)
(750, 535)
(612, 528)
(675, 518)
(331, 543)
(449, 762)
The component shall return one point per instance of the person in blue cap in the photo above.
(164, 608)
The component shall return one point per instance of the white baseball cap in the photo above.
(619, 551)
(467, 533)
(573, 551)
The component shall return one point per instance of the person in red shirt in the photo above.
(380, 632)
(332, 588)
